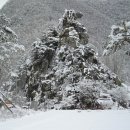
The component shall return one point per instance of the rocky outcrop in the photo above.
(64, 71)
(71, 31)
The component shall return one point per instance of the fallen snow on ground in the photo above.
(71, 120)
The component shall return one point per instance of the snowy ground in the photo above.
(71, 120)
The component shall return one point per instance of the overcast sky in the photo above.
(2, 2)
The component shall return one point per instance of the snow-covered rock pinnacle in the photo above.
(64, 72)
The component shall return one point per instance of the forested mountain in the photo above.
(30, 18)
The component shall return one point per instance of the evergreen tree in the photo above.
(119, 36)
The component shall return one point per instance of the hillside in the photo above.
(31, 18)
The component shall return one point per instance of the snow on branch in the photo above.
(119, 36)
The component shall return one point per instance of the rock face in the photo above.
(72, 32)
(64, 71)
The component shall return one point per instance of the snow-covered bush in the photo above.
(105, 100)
(119, 36)
(120, 95)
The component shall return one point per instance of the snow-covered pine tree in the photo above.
(119, 36)
(64, 72)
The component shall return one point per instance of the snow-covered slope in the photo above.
(2, 2)
(71, 120)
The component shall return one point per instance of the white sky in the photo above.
(2, 2)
